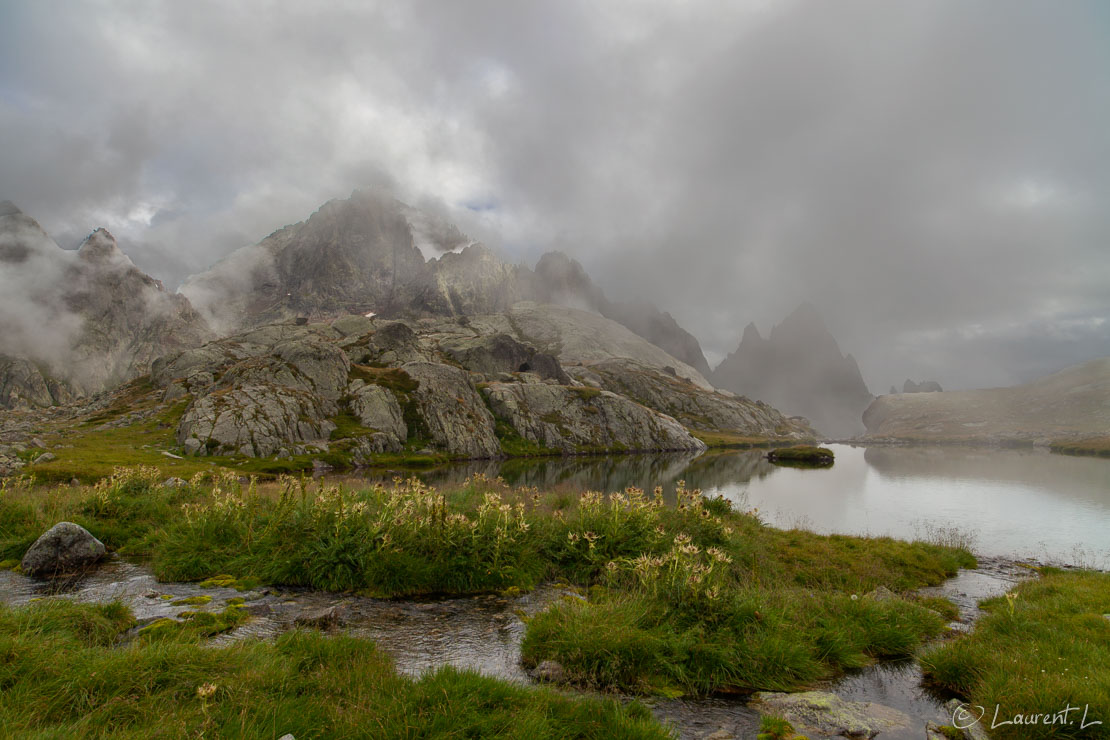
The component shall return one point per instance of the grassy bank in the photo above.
(692, 598)
(62, 677)
(1099, 446)
(1040, 649)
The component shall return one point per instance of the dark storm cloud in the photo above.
(932, 175)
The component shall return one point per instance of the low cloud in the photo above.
(912, 169)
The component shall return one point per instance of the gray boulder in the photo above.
(256, 420)
(64, 548)
(310, 366)
(322, 619)
(455, 416)
(394, 343)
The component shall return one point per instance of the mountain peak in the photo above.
(100, 247)
(799, 368)
(7, 208)
(807, 317)
(751, 334)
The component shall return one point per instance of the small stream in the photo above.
(483, 633)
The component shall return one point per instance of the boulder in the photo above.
(321, 619)
(455, 417)
(256, 420)
(392, 344)
(695, 407)
(311, 366)
(818, 713)
(882, 593)
(64, 548)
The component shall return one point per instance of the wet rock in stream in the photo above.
(63, 549)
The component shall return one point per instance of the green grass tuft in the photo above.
(1041, 648)
(62, 678)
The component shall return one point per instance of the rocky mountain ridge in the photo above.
(1072, 404)
(348, 391)
(363, 254)
(453, 363)
(78, 322)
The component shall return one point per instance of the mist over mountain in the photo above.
(799, 368)
(373, 253)
(78, 322)
(938, 190)
(562, 280)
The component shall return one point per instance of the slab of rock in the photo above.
(257, 421)
(500, 353)
(64, 548)
(690, 404)
(574, 419)
(377, 408)
(821, 714)
(455, 415)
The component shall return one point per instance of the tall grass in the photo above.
(1040, 649)
(61, 677)
(685, 598)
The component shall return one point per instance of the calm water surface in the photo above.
(1013, 503)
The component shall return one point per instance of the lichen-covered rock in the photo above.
(256, 420)
(574, 419)
(454, 414)
(64, 548)
(821, 714)
(311, 366)
(377, 408)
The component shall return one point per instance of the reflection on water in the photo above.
(1017, 503)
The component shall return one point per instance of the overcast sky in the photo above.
(933, 175)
